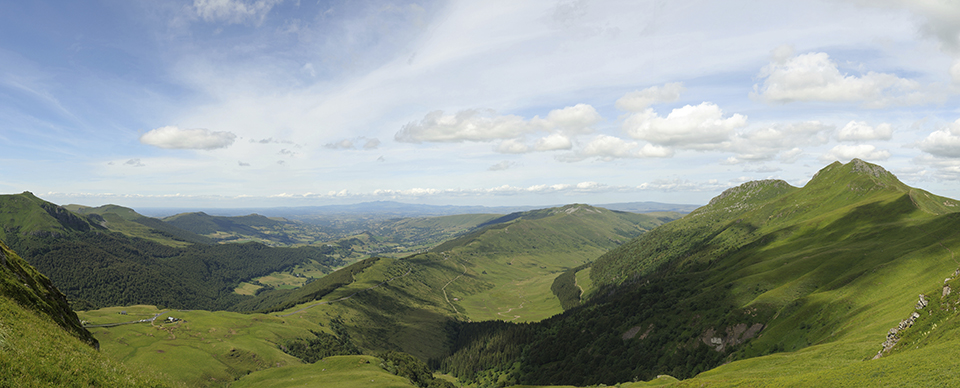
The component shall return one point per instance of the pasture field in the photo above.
(330, 372)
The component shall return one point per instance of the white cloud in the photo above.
(466, 125)
(860, 130)
(639, 100)
(511, 130)
(134, 163)
(345, 144)
(572, 119)
(845, 153)
(608, 148)
(942, 168)
(766, 143)
(815, 77)
(589, 186)
(512, 146)
(691, 127)
(233, 11)
(944, 142)
(791, 155)
(554, 142)
(503, 165)
(349, 144)
(171, 137)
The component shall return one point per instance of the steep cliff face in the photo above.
(34, 291)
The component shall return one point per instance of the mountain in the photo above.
(42, 342)
(392, 209)
(129, 222)
(95, 267)
(252, 226)
(510, 260)
(765, 274)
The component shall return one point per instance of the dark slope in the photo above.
(42, 343)
(129, 222)
(204, 224)
(831, 262)
(34, 291)
(96, 267)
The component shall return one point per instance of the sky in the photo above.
(262, 103)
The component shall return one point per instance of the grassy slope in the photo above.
(129, 222)
(839, 262)
(215, 348)
(35, 352)
(204, 349)
(331, 372)
(408, 313)
(522, 254)
(25, 214)
(41, 340)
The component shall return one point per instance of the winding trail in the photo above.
(409, 270)
(444, 288)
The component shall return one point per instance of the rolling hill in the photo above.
(42, 342)
(765, 274)
(95, 267)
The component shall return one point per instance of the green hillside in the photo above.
(250, 227)
(95, 267)
(521, 254)
(42, 343)
(813, 276)
(129, 222)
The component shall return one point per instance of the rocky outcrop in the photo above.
(735, 335)
(893, 336)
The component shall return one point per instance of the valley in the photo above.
(767, 285)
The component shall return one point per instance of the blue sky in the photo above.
(240, 103)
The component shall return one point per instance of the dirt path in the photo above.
(576, 283)
(444, 288)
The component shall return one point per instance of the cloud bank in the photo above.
(171, 137)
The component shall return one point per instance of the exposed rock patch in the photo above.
(734, 335)
(893, 335)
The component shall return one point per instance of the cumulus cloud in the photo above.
(572, 119)
(860, 130)
(944, 142)
(512, 131)
(172, 137)
(845, 153)
(554, 142)
(271, 140)
(466, 125)
(815, 77)
(345, 144)
(502, 166)
(692, 127)
(638, 101)
(350, 144)
(605, 147)
(766, 143)
(942, 168)
(134, 163)
(512, 146)
(233, 11)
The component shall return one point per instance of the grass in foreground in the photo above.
(35, 352)
(330, 372)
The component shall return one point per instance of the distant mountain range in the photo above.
(389, 209)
